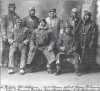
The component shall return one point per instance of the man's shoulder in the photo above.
(37, 17)
(4, 19)
(93, 23)
(4, 16)
(17, 16)
(56, 18)
(28, 18)
(47, 19)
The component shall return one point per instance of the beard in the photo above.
(32, 15)
(86, 20)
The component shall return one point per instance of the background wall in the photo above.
(42, 6)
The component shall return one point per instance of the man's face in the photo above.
(73, 14)
(19, 24)
(86, 17)
(32, 13)
(52, 14)
(67, 30)
(42, 23)
(11, 9)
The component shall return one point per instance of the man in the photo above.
(31, 22)
(87, 36)
(54, 24)
(41, 42)
(66, 50)
(19, 38)
(75, 17)
(7, 29)
(75, 21)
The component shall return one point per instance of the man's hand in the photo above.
(25, 41)
(10, 41)
(62, 48)
(49, 48)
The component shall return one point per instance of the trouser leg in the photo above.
(76, 63)
(50, 56)
(4, 53)
(58, 63)
(23, 57)
(31, 55)
(11, 56)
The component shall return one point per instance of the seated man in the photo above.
(40, 41)
(66, 50)
(19, 42)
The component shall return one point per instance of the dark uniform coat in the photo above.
(88, 41)
(87, 33)
(7, 29)
(76, 23)
(31, 23)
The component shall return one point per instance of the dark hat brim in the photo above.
(52, 10)
(11, 6)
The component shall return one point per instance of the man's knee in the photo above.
(12, 50)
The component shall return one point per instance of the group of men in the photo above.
(58, 42)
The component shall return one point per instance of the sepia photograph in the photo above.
(49, 45)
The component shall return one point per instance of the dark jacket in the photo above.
(87, 33)
(40, 36)
(7, 25)
(66, 41)
(31, 23)
(20, 34)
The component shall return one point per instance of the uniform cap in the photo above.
(33, 8)
(52, 10)
(19, 20)
(75, 10)
(12, 5)
(86, 12)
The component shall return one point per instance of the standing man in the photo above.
(75, 22)
(7, 29)
(75, 18)
(87, 36)
(31, 22)
(54, 24)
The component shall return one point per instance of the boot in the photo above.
(77, 72)
(11, 71)
(49, 70)
(58, 69)
(22, 71)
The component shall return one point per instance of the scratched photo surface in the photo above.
(54, 60)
